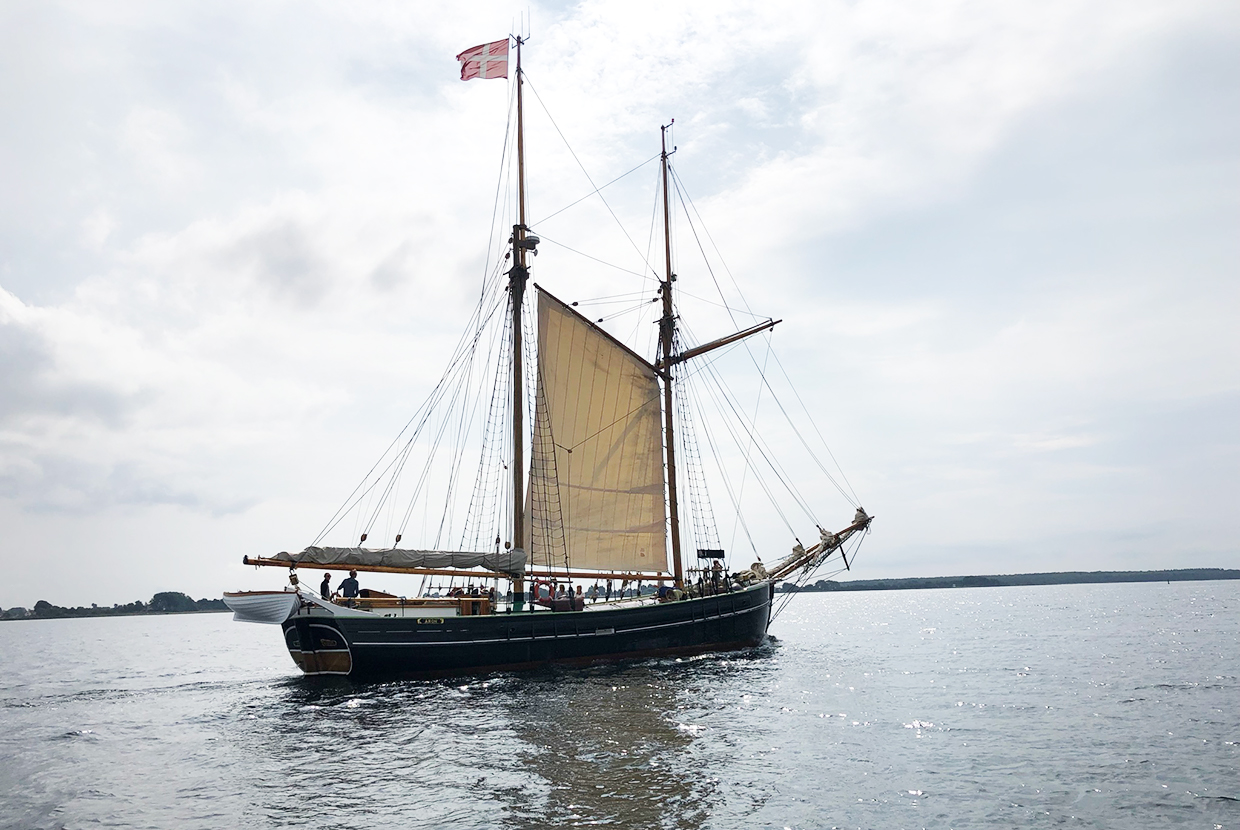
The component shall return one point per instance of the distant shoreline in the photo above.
(1012, 580)
(72, 616)
(165, 602)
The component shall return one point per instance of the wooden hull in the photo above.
(380, 647)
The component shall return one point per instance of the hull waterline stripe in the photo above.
(568, 636)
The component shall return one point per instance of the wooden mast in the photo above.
(667, 329)
(518, 276)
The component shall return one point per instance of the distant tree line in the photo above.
(165, 602)
(1059, 578)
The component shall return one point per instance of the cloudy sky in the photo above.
(237, 241)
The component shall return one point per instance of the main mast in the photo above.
(518, 276)
(667, 331)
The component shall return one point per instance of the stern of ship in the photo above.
(317, 646)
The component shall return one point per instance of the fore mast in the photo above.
(522, 242)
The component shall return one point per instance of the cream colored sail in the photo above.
(596, 466)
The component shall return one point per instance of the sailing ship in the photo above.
(596, 503)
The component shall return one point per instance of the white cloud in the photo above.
(155, 140)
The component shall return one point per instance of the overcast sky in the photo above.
(237, 241)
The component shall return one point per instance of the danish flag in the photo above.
(490, 60)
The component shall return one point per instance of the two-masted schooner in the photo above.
(596, 503)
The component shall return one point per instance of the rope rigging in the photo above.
(488, 483)
(705, 531)
(686, 203)
(597, 189)
(413, 429)
(457, 421)
(803, 577)
(546, 238)
(723, 403)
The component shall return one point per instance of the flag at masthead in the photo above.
(490, 60)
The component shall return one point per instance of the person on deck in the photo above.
(349, 587)
(325, 589)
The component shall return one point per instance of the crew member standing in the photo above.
(325, 589)
(349, 587)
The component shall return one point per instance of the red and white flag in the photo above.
(490, 60)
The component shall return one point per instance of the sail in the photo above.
(596, 466)
(508, 561)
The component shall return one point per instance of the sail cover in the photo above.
(508, 561)
(596, 467)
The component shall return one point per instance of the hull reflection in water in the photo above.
(610, 745)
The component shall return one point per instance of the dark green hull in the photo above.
(431, 647)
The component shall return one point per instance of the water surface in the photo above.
(1050, 706)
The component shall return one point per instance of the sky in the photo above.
(239, 240)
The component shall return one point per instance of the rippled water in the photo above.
(1066, 706)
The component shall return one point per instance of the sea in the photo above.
(1069, 706)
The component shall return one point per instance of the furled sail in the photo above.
(507, 561)
(596, 468)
